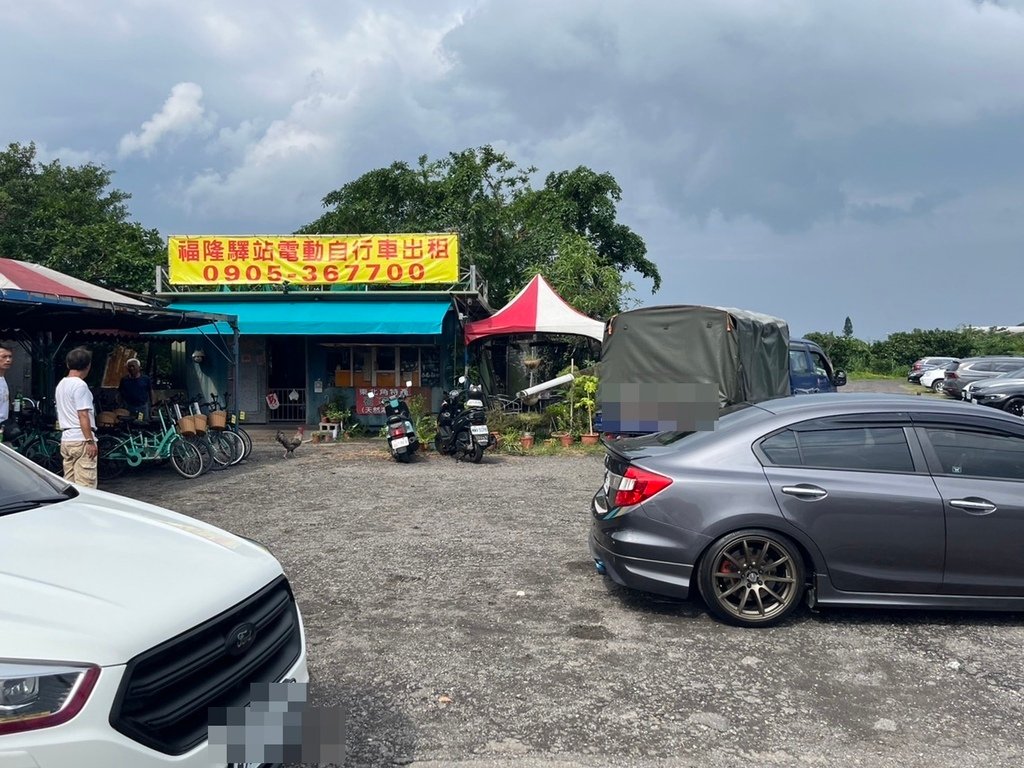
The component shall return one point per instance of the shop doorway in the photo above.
(286, 378)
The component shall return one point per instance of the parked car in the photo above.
(934, 378)
(927, 364)
(1005, 392)
(122, 623)
(868, 499)
(975, 368)
(810, 370)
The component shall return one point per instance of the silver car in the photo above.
(975, 369)
(853, 499)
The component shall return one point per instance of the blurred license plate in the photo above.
(400, 442)
(480, 429)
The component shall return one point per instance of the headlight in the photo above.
(39, 695)
(993, 397)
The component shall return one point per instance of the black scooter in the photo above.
(462, 424)
(403, 441)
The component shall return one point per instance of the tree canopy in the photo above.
(566, 230)
(71, 219)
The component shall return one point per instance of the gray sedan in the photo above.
(883, 500)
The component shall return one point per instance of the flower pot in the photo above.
(526, 441)
(590, 438)
(566, 439)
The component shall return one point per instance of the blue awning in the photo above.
(321, 318)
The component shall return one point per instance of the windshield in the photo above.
(24, 485)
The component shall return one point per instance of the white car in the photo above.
(933, 379)
(121, 623)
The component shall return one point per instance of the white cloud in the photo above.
(181, 114)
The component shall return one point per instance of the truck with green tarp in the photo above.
(675, 367)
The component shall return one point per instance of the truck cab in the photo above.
(810, 370)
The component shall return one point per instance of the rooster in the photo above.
(290, 443)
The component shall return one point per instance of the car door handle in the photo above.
(973, 506)
(809, 492)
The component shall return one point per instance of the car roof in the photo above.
(833, 403)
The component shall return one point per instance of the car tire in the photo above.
(1015, 406)
(937, 386)
(752, 578)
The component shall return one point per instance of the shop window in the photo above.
(409, 365)
(386, 363)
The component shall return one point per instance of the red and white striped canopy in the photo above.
(536, 309)
(24, 281)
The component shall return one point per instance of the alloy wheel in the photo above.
(752, 578)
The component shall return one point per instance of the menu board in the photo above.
(430, 367)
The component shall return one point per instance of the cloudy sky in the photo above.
(810, 159)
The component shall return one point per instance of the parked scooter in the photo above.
(402, 439)
(462, 424)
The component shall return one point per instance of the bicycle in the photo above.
(232, 423)
(226, 448)
(37, 440)
(132, 447)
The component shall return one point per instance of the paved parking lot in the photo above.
(454, 609)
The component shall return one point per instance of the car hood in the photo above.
(101, 578)
(998, 386)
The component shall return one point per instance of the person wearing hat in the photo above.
(136, 389)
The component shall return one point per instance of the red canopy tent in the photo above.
(535, 309)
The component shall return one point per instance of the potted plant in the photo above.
(333, 411)
(588, 386)
(561, 423)
(529, 421)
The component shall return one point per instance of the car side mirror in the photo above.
(839, 379)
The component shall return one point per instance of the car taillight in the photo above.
(951, 375)
(639, 485)
(398, 431)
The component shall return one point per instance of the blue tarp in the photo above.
(322, 318)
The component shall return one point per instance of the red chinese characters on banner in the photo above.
(313, 259)
(188, 250)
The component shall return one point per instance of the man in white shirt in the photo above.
(76, 420)
(6, 360)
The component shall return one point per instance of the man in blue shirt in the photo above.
(136, 389)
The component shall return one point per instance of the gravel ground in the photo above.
(455, 611)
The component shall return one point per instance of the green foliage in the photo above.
(567, 229)
(498, 420)
(511, 442)
(334, 409)
(423, 420)
(584, 392)
(528, 421)
(69, 219)
(894, 355)
(848, 327)
(558, 417)
(846, 353)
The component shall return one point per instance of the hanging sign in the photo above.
(313, 259)
(272, 402)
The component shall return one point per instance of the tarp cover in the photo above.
(535, 309)
(744, 354)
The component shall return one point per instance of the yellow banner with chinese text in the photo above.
(313, 259)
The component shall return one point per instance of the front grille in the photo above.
(166, 692)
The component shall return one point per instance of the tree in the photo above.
(506, 227)
(69, 219)
(848, 328)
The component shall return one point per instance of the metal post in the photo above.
(159, 281)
